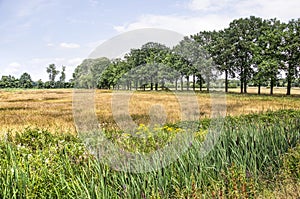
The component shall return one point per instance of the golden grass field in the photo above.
(52, 109)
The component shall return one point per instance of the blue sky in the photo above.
(36, 33)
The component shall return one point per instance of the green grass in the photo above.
(246, 161)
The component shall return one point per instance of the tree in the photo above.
(40, 84)
(62, 77)
(221, 51)
(290, 50)
(243, 33)
(25, 81)
(53, 72)
(267, 54)
(88, 73)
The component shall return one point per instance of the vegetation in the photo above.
(25, 80)
(246, 162)
(256, 155)
(259, 52)
(51, 109)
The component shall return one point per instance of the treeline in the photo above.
(259, 52)
(25, 80)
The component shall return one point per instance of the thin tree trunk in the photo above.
(194, 82)
(181, 82)
(289, 86)
(176, 84)
(208, 84)
(272, 86)
(289, 81)
(188, 83)
(226, 81)
(259, 88)
(151, 87)
(242, 80)
(200, 82)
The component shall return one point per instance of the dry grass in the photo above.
(52, 109)
(49, 109)
(264, 90)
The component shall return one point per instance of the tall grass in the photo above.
(245, 160)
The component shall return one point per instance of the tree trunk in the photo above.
(176, 84)
(289, 86)
(208, 84)
(200, 83)
(289, 81)
(181, 82)
(226, 81)
(194, 82)
(272, 86)
(156, 86)
(151, 86)
(242, 80)
(188, 83)
(259, 88)
(245, 80)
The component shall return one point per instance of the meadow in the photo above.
(256, 156)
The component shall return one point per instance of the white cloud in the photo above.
(284, 10)
(14, 68)
(215, 15)
(69, 45)
(281, 9)
(14, 64)
(183, 24)
(208, 5)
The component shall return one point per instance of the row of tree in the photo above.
(25, 80)
(254, 50)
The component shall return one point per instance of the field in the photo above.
(256, 156)
(52, 109)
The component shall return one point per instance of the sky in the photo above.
(36, 33)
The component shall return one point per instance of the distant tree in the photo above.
(220, 49)
(199, 60)
(53, 72)
(290, 50)
(9, 82)
(40, 84)
(62, 77)
(88, 73)
(25, 81)
(267, 54)
(243, 33)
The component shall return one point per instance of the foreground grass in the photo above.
(248, 161)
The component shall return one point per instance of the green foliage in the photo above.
(88, 73)
(38, 164)
(25, 81)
